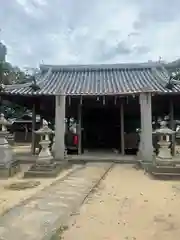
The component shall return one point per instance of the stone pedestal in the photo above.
(45, 165)
(177, 150)
(165, 164)
(10, 139)
(8, 165)
(164, 150)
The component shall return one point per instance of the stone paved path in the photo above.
(50, 209)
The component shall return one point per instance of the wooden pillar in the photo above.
(122, 128)
(79, 128)
(59, 148)
(146, 126)
(33, 140)
(171, 106)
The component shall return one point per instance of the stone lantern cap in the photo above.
(164, 130)
(44, 130)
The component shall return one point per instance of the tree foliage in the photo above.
(12, 74)
(12, 110)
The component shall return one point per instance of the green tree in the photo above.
(12, 75)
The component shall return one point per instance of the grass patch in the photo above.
(58, 234)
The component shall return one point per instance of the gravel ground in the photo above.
(128, 205)
(10, 198)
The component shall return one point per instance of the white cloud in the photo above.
(82, 31)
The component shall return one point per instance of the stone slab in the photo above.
(45, 171)
(43, 174)
(164, 169)
(42, 216)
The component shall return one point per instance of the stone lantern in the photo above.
(45, 156)
(177, 145)
(8, 166)
(45, 165)
(164, 134)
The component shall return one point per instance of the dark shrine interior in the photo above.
(101, 128)
(101, 120)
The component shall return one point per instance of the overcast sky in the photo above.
(90, 31)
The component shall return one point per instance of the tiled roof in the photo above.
(114, 79)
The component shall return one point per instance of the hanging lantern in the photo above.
(127, 100)
(97, 98)
(166, 118)
(104, 100)
(81, 100)
(69, 100)
(159, 119)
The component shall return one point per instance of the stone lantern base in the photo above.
(8, 165)
(9, 171)
(177, 150)
(44, 170)
(45, 165)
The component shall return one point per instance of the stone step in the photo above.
(166, 170)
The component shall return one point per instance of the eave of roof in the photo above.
(150, 64)
(105, 79)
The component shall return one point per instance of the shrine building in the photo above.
(109, 102)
